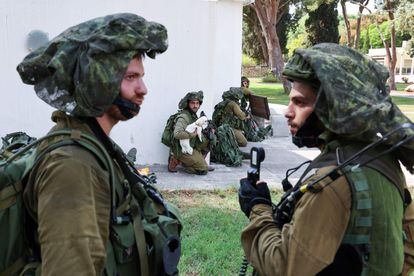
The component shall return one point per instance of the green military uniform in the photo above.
(231, 113)
(70, 196)
(194, 163)
(309, 243)
(87, 223)
(353, 220)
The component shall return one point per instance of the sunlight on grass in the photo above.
(211, 236)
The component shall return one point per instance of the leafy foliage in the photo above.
(322, 24)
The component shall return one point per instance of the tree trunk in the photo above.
(358, 24)
(393, 54)
(262, 42)
(347, 25)
(267, 12)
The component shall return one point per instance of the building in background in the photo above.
(404, 68)
(204, 53)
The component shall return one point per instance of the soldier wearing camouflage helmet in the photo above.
(229, 112)
(350, 210)
(88, 220)
(195, 162)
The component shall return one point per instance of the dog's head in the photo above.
(202, 122)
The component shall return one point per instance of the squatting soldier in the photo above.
(349, 214)
(88, 203)
(245, 83)
(229, 112)
(195, 162)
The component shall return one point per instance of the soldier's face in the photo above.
(194, 105)
(132, 86)
(302, 99)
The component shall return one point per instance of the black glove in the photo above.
(250, 195)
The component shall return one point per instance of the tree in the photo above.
(269, 13)
(405, 22)
(353, 41)
(252, 34)
(254, 44)
(322, 24)
(363, 4)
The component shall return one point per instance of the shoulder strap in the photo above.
(79, 138)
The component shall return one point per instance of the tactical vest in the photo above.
(369, 246)
(143, 227)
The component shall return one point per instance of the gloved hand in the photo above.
(250, 195)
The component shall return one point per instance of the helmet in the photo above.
(234, 94)
(190, 96)
(353, 98)
(243, 78)
(80, 71)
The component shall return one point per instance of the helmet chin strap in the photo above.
(307, 135)
(126, 107)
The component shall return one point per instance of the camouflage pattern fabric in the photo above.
(226, 151)
(183, 104)
(234, 94)
(353, 98)
(80, 70)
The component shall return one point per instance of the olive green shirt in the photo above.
(233, 108)
(298, 249)
(309, 242)
(70, 196)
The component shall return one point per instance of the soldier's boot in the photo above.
(173, 163)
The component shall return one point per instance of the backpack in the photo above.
(160, 222)
(167, 134)
(219, 112)
(220, 117)
(226, 150)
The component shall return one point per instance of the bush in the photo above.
(270, 77)
(248, 61)
(405, 79)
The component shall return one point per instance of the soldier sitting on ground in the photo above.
(229, 112)
(195, 162)
(254, 129)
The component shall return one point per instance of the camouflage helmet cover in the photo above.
(234, 94)
(80, 70)
(190, 96)
(353, 98)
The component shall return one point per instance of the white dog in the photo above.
(198, 126)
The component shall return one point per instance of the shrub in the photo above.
(248, 61)
(270, 77)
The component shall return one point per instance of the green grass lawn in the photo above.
(401, 86)
(211, 234)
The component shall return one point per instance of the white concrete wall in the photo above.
(204, 54)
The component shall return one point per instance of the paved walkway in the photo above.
(281, 155)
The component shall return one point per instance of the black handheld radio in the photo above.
(257, 155)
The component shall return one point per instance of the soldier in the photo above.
(90, 211)
(245, 83)
(229, 112)
(347, 217)
(195, 162)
